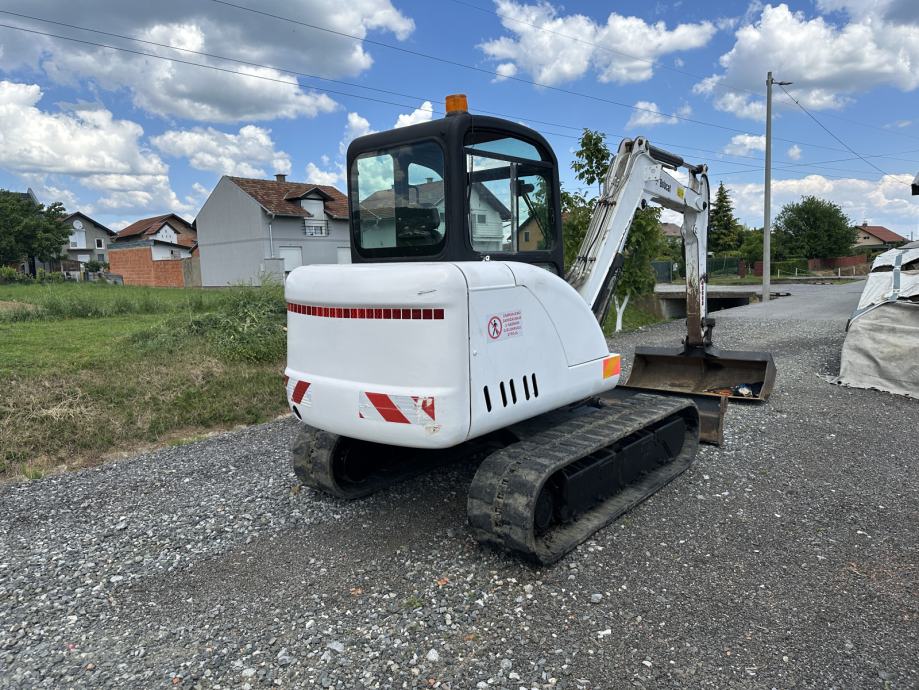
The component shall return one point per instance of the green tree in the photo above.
(814, 229)
(576, 211)
(751, 246)
(645, 242)
(29, 230)
(591, 161)
(724, 232)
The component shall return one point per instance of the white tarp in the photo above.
(881, 349)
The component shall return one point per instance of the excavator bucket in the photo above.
(732, 374)
(707, 375)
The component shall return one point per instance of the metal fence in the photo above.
(663, 271)
(723, 265)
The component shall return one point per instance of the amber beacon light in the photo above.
(456, 103)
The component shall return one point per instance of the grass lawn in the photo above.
(736, 280)
(633, 319)
(150, 366)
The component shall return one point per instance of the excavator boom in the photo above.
(640, 172)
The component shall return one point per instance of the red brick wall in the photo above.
(137, 267)
(168, 273)
(838, 262)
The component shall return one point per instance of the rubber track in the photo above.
(313, 453)
(503, 493)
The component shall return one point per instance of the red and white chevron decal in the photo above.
(298, 391)
(398, 409)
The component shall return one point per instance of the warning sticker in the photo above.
(506, 325)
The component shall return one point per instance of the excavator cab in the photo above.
(462, 188)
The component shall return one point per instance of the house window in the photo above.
(99, 243)
(526, 235)
(311, 228)
(481, 218)
(100, 257)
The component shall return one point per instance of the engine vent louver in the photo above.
(530, 390)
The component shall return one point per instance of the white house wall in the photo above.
(232, 237)
(163, 252)
(289, 232)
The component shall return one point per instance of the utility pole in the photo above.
(767, 190)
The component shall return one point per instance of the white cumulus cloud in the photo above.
(828, 62)
(743, 144)
(556, 48)
(246, 153)
(648, 114)
(174, 89)
(424, 113)
(82, 143)
(794, 152)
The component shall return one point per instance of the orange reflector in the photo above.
(456, 103)
(612, 366)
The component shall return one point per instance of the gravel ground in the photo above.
(787, 558)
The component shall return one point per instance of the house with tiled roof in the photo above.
(877, 237)
(89, 241)
(250, 228)
(150, 251)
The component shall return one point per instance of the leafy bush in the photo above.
(8, 275)
(247, 325)
(45, 277)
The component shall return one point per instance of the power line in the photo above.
(248, 63)
(885, 130)
(652, 62)
(195, 64)
(311, 76)
(630, 56)
(323, 89)
(824, 128)
(493, 73)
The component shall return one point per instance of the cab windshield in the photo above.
(508, 196)
(398, 204)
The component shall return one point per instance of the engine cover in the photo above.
(429, 355)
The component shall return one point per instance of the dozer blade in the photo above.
(711, 409)
(704, 371)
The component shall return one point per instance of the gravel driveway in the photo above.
(787, 558)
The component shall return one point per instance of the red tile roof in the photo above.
(281, 198)
(186, 234)
(671, 230)
(67, 219)
(882, 233)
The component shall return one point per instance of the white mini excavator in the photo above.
(456, 333)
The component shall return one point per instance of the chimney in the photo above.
(429, 180)
(280, 177)
(864, 223)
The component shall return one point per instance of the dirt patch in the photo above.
(6, 305)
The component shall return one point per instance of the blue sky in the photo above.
(121, 136)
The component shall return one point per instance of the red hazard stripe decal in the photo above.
(383, 313)
(299, 391)
(387, 408)
(427, 406)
